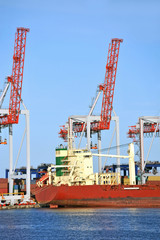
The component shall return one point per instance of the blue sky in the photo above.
(66, 54)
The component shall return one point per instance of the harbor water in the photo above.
(44, 223)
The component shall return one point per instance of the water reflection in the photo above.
(80, 223)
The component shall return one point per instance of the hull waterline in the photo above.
(142, 196)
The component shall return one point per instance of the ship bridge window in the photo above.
(86, 156)
(77, 151)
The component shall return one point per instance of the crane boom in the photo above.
(109, 83)
(148, 130)
(16, 78)
(108, 92)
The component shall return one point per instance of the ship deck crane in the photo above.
(10, 116)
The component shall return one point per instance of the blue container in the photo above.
(16, 187)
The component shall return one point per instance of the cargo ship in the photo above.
(72, 183)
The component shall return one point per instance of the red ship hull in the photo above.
(142, 196)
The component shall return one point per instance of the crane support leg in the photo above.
(28, 153)
(10, 158)
(88, 133)
(141, 150)
(116, 119)
(118, 148)
(12, 197)
(99, 152)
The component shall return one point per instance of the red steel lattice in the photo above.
(17, 78)
(109, 84)
(108, 93)
(148, 130)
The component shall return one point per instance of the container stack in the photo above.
(152, 180)
(3, 185)
(126, 180)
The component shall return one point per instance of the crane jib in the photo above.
(16, 79)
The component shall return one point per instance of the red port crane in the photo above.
(16, 78)
(108, 92)
(149, 126)
(109, 84)
(10, 116)
(148, 130)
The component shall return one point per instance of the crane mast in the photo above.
(16, 78)
(108, 92)
(10, 116)
(109, 84)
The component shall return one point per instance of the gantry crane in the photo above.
(149, 126)
(10, 116)
(148, 129)
(16, 78)
(91, 123)
(108, 92)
